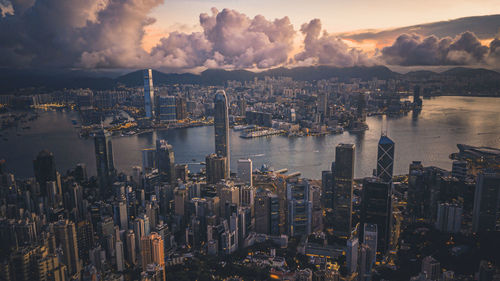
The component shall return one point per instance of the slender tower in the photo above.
(385, 158)
(149, 93)
(342, 195)
(104, 159)
(221, 124)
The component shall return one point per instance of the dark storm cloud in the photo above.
(74, 33)
(412, 49)
(328, 49)
(484, 27)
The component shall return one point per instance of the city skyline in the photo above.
(235, 140)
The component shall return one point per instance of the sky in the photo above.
(192, 35)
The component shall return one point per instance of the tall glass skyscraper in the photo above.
(385, 158)
(149, 93)
(165, 161)
(221, 124)
(342, 193)
(104, 158)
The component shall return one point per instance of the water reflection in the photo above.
(429, 136)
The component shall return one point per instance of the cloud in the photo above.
(328, 49)
(109, 34)
(484, 27)
(412, 49)
(229, 38)
(75, 33)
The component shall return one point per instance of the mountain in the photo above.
(14, 81)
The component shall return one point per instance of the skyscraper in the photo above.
(44, 167)
(486, 212)
(65, 233)
(221, 124)
(216, 168)
(104, 159)
(166, 109)
(165, 161)
(299, 208)
(385, 158)
(152, 250)
(328, 183)
(376, 209)
(344, 175)
(149, 93)
(245, 171)
(149, 159)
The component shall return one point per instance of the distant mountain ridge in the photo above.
(15, 80)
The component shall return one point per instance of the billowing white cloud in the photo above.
(328, 49)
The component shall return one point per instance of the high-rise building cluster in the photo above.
(161, 220)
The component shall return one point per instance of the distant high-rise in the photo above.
(376, 209)
(486, 213)
(342, 194)
(180, 108)
(166, 109)
(104, 158)
(44, 167)
(165, 161)
(221, 124)
(385, 158)
(149, 93)
(245, 171)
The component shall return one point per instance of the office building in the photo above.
(299, 208)
(166, 108)
(180, 108)
(131, 247)
(44, 167)
(165, 161)
(216, 168)
(449, 218)
(119, 255)
(486, 212)
(376, 208)
(431, 268)
(344, 176)
(221, 125)
(245, 171)
(385, 158)
(352, 255)
(148, 159)
(327, 185)
(262, 213)
(370, 239)
(149, 94)
(104, 159)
